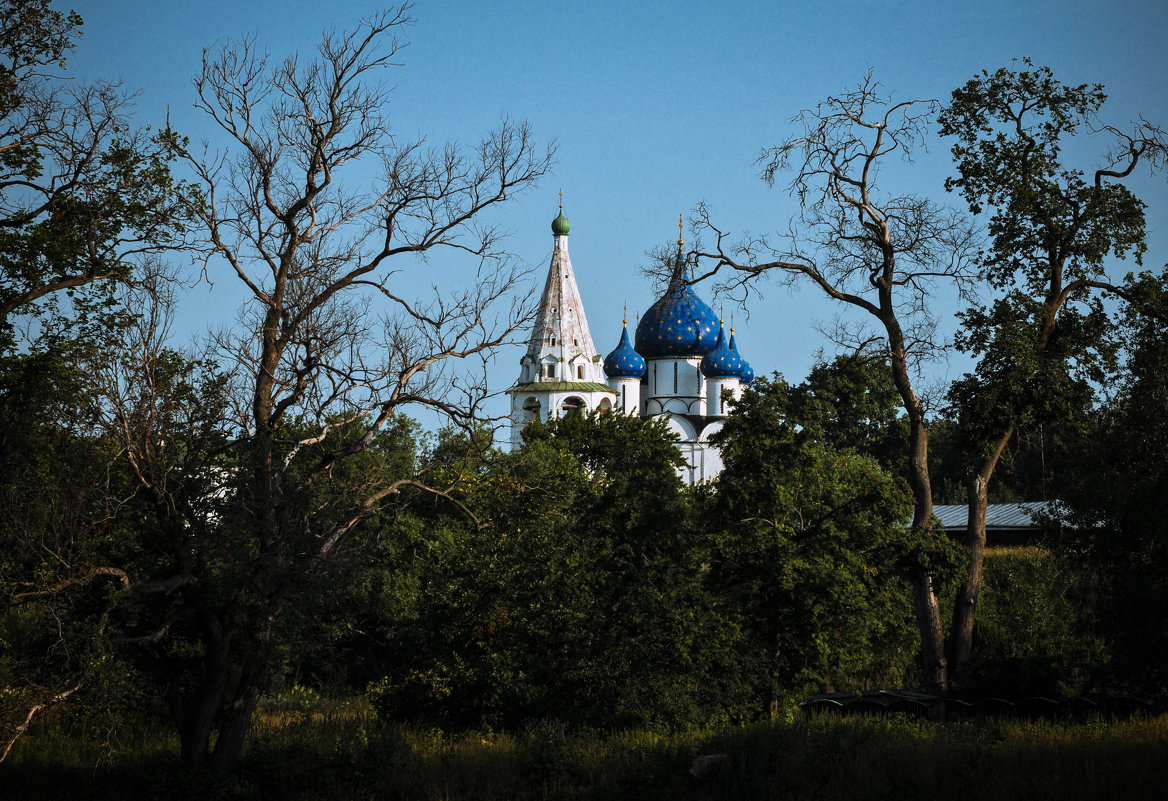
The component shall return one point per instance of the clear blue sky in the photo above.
(654, 106)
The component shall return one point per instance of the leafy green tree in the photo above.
(667, 654)
(579, 596)
(1037, 464)
(851, 403)
(85, 195)
(1118, 500)
(113, 452)
(162, 571)
(879, 253)
(1036, 628)
(1052, 231)
(811, 542)
(496, 605)
(83, 192)
(53, 533)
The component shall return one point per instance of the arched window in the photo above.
(531, 409)
(580, 371)
(572, 405)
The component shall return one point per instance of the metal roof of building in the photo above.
(562, 386)
(998, 515)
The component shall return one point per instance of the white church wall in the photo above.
(628, 395)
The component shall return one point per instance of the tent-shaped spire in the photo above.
(561, 329)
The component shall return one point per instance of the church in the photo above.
(681, 365)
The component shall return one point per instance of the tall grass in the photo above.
(330, 750)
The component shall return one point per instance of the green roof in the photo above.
(562, 386)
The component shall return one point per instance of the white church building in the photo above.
(677, 369)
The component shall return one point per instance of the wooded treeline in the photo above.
(185, 531)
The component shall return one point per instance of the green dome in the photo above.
(560, 225)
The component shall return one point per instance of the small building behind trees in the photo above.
(1007, 524)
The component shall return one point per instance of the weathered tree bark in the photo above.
(36, 711)
(203, 712)
(237, 717)
(965, 605)
(934, 666)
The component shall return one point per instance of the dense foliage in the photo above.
(810, 539)
(576, 591)
(1119, 503)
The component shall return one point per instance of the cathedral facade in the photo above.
(680, 367)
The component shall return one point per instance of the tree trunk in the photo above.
(965, 606)
(933, 664)
(200, 717)
(773, 704)
(236, 723)
(934, 667)
(210, 716)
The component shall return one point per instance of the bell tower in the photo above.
(561, 371)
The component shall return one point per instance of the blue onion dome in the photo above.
(722, 362)
(624, 362)
(678, 324)
(746, 374)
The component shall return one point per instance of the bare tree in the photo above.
(331, 345)
(881, 254)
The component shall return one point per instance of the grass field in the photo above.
(338, 750)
